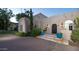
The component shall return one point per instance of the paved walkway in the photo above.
(52, 37)
(13, 43)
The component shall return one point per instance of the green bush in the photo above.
(28, 34)
(35, 32)
(21, 34)
(75, 33)
(75, 36)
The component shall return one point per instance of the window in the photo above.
(70, 28)
(21, 27)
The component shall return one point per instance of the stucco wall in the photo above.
(59, 19)
(38, 20)
(42, 21)
(25, 24)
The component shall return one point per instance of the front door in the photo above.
(54, 28)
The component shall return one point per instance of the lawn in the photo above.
(3, 33)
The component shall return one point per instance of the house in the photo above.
(13, 26)
(24, 25)
(63, 23)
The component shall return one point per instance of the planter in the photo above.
(42, 33)
(59, 35)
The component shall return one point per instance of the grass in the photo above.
(7, 32)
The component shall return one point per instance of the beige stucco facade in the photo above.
(24, 25)
(38, 20)
(59, 20)
(43, 22)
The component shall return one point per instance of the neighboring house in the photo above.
(13, 26)
(60, 23)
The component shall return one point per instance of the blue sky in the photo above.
(54, 11)
(46, 11)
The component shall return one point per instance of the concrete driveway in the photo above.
(32, 44)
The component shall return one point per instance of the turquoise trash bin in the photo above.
(59, 35)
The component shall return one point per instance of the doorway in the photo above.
(54, 28)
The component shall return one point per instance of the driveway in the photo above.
(14, 43)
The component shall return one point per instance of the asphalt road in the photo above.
(32, 44)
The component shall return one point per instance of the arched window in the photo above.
(69, 24)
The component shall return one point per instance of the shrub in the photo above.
(75, 36)
(28, 34)
(35, 32)
(21, 34)
(75, 33)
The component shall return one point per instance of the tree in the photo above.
(20, 15)
(5, 15)
(77, 22)
(31, 19)
(30, 14)
(75, 33)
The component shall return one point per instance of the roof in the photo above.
(40, 14)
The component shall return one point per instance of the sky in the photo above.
(46, 11)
